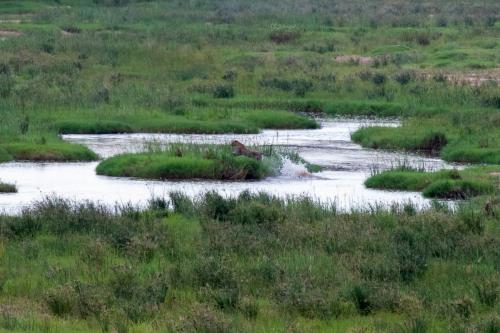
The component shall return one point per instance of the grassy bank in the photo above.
(444, 184)
(470, 136)
(188, 162)
(248, 264)
(196, 121)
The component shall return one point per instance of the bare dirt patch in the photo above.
(476, 78)
(9, 33)
(12, 21)
(364, 60)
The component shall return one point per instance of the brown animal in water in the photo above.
(240, 149)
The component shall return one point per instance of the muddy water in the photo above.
(346, 166)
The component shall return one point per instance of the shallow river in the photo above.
(346, 166)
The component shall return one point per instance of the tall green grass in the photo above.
(242, 264)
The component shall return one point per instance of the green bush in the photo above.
(223, 91)
(456, 189)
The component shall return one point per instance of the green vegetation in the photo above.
(200, 67)
(7, 188)
(445, 184)
(253, 263)
(249, 264)
(187, 162)
(58, 151)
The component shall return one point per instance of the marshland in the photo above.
(365, 197)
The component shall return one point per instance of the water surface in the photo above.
(346, 166)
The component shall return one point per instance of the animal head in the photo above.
(236, 143)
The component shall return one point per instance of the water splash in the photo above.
(294, 170)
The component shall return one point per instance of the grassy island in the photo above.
(186, 162)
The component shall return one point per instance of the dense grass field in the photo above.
(249, 264)
(253, 263)
(228, 66)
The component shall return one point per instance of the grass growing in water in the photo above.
(445, 184)
(7, 188)
(56, 151)
(187, 162)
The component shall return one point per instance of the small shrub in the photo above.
(205, 320)
(224, 298)
(300, 87)
(216, 207)
(284, 36)
(102, 96)
(404, 77)
(94, 254)
(463, 307)
(379, 79)
(215, 273)
(181, 203)
(71, 29)
(62, 300)
(434, 142)
(491, 100)
(359, 296)
(490, 324)
(488, 291)
(6, 85)
(249, 308)
(223, 91)
(230, 75)
(417, 325)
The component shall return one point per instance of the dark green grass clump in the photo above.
(7, 188)
(444, 184)
(92, 127)
(252, 263)
(185, 162)
(156, 125)
(233, 121)
(55, 151)
(414, 139)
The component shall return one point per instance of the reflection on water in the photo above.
(346, 166)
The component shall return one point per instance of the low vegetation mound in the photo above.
(186, 162)
(444, 184)
(55, 151)
(7, 188)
